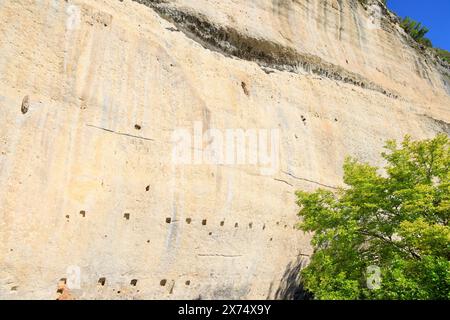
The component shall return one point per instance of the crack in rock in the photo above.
(219, 255)
(119, 133)
(284, 181)
(311, 181)
(443, 125)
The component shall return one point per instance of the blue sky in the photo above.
(434, 14)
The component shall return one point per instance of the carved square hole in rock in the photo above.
(204, 222)
(250, 225)
(236, 225)
(83, 213)
(126, 216)
(188, 282)
(133, 282)
(168, 220)
(188, 220)
(102, 281)
(163, 282)
(222, 223)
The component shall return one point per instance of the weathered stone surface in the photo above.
(86, 174)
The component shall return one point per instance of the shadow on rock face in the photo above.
(290, 287)
(226, 292)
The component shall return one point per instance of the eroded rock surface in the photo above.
(89, 190)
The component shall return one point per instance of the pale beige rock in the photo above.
(82, 185)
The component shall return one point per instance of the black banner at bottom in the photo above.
(204, 309)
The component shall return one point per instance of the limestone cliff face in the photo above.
(92, 91)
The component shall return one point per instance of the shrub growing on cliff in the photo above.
(416, 31)
(394, 225)
(444, 54)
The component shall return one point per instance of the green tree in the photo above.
(396, 220)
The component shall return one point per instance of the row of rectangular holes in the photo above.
(102, 281)
(82, 213)
(163, 282)
(204, 221)
(222, 223)
(188, 221)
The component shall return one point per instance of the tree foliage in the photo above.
(396, 221)
(416, 30)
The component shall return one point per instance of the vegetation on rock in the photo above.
(444, 54)
(416, 30)
(395, 223)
